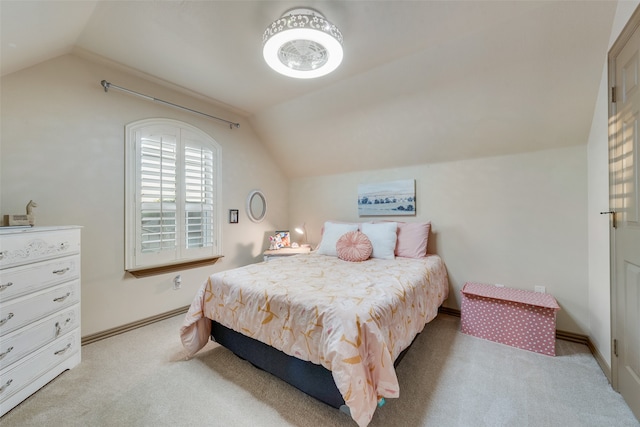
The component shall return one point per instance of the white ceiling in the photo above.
(421, 82)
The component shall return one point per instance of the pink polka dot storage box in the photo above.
(514, 317)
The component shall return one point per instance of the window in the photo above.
(173, 178)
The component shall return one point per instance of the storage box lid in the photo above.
(509, 294)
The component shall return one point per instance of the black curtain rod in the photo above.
(106, 85)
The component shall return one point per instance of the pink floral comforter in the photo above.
(354, 318)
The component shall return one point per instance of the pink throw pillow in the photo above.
(354, 246)
(413, 238)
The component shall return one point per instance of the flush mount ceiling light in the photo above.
(302, 44)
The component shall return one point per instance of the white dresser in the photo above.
(39, 308)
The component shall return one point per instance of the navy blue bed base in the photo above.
(314, 380)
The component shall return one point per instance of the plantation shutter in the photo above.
(199, 196)
(201, 179)
(172, 194)
(158, 210)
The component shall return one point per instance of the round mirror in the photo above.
(256, 206)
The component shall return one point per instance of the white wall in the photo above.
(598, 184)
(519, 220)
(63, 146)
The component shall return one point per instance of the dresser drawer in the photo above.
(19, 343)
(21, 311)
(18, 281)
(24, 248)
(17, 376)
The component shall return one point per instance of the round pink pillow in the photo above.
(354, 246)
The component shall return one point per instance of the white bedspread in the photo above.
(352, 318)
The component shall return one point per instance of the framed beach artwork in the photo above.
(387, 198)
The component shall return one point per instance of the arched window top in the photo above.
(172, 123)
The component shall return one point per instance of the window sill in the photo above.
(161, 269)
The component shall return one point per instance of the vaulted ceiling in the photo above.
(421, 81)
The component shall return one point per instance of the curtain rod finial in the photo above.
(105, 84)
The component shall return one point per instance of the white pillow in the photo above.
(332, 232)
(383, 238)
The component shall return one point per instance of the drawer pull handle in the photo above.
(64, 350)
(6, 319)
(62, 298)
(7, 384)
(3, 287)
(2, 355)
(59, 328)
(61, 271)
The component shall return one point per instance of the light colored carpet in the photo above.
(141, 378)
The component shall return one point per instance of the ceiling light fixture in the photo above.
(302, 44)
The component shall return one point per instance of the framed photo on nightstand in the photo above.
(285, 238)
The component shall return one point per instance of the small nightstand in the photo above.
(274, 253)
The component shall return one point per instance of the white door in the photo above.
(624, 167)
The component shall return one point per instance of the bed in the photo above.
(350, 319)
